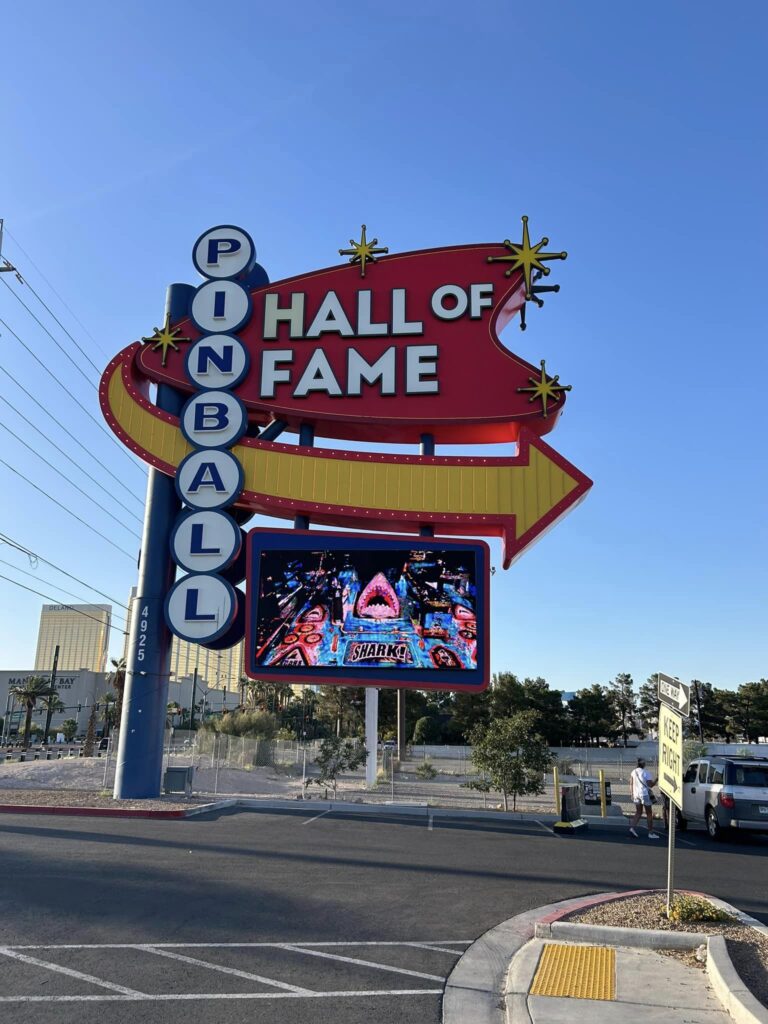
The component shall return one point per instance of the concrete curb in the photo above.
(728, 986)
(114, 812)
(642, 938)
(475, 989)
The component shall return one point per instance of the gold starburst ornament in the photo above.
(165, 337)
(363, 252)
(528, 258)
(547, 389)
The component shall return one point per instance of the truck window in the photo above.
(715, 776)
(703, 771)
(751, 775)
(691, 772)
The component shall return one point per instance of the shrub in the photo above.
(426, 770)
(694, 908)
(426, 730)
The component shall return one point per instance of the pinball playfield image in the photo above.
(362, 609)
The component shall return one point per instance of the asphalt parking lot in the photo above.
(294, 917)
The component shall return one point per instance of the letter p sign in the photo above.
(223, 252)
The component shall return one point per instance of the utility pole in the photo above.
(49, 716)
(695, 683)
(192, 706)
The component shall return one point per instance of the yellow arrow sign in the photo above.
(516, 498)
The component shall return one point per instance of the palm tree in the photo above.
(117, 682)
(52, 704)
(28, 694)
(109, 700)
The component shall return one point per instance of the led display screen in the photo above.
(351, 608)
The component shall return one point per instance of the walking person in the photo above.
(641, 786)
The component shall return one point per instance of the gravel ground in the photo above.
(748, 948)
(86, 798)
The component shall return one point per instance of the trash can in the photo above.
(570, 801)
(178, 780)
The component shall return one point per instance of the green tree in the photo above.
(341, 707)
(469, 711)
(427, 730)
(506, 695)
(28, 694)
(624, 703)
(335, 757)
(108, 701)
(53, 705)
(512, 755)
(747, 710)
(591, 714)
(89, 744)
(255, 724)
(117, 681)
(69, 729)
(648, 704)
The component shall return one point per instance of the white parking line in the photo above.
(545, 827)
(321, 815)
(34, 962)
(360, 963)
(228, 970)
(238, 945)
(439, 949)
(199, 996)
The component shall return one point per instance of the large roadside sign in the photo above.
(671, 754)
(674, 694)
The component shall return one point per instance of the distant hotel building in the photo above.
(81, 632)
(216, 670)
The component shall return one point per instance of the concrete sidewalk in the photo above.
(538, 968)
(626, 985)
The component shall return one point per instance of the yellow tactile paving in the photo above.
(581, 972)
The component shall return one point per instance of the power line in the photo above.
(57, 343)
(66, 479)
(72, 608)
(76, 400)
(67, 510)
(5, 539)
(50, 583)
(69, 433)
(60, 450)
(74, 341)
(58, 296)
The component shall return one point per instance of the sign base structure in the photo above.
(362, 610)
(386, 347)
(568, 828)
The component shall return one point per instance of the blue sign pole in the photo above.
(139, 768)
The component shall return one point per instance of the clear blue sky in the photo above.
(633, 137)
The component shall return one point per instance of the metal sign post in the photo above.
(671, 765)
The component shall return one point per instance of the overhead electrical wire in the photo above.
(69, 433)
(57, 343)
(5, 539)
(74, 340)
(61, 451)
(74, 515)
(71, 483)
(50, 597)
(76, 400)
(74, 316)
(50, 583)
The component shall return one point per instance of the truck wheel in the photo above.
(681, 822)
(714, 829)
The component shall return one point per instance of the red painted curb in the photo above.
(89, 812)
(592, 901)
